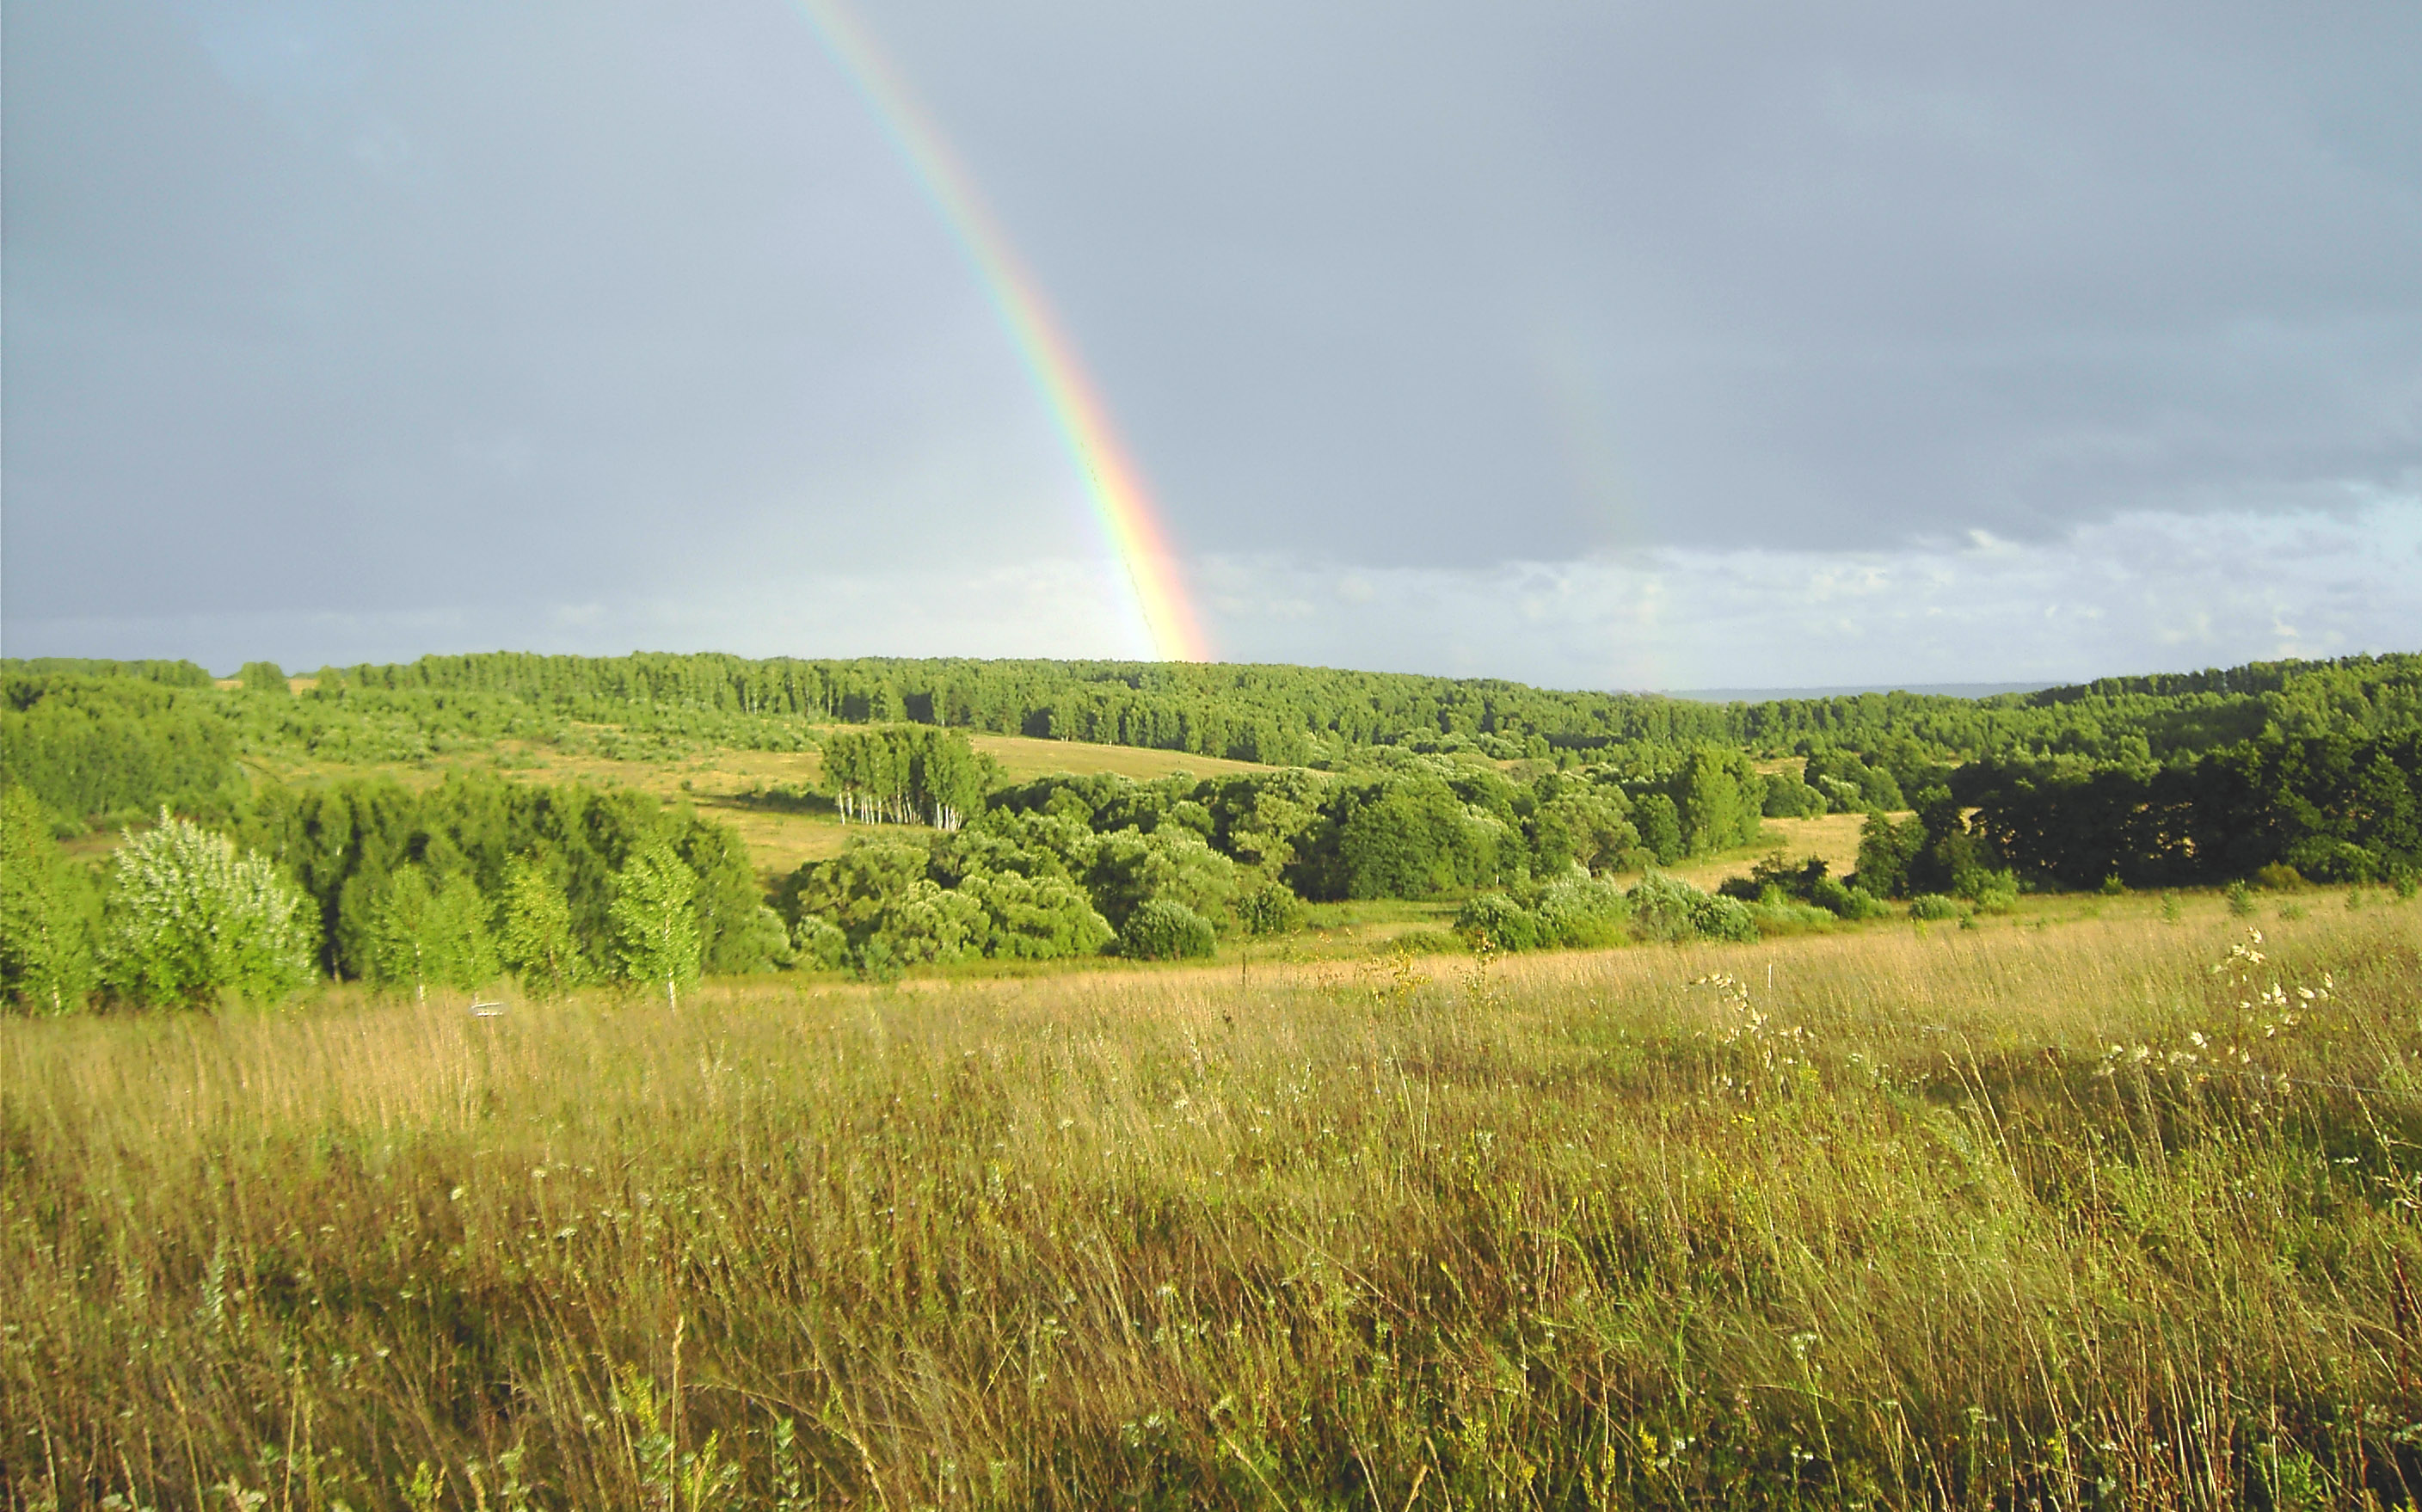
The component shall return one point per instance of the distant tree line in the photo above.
(86, 744)
(1286, 716)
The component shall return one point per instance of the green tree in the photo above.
(928, 922)
(1661, 827)
(263, 677)
(655, 927)
(1036, 917)
(1582, 829)
(47, 909)
(189, 920)
(1886, 851)
(423, 935)
(536, 944)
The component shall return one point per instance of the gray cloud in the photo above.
(589, 324)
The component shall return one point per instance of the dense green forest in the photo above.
(1519, 801)
(1281, 715)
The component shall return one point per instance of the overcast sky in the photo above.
(1676, 345)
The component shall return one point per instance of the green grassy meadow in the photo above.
(2083, 1207)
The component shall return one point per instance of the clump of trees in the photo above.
(182, 919)
(2334, 808)
(447, 888)
(908, 775)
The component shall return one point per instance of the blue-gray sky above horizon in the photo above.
(1623, 345)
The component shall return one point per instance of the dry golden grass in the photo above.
(1928, 1218)
(1023, 757)
(1834, 836)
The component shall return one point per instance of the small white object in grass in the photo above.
(486, 1009)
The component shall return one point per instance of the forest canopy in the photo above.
(1513, 804)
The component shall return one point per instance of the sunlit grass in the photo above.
(1989, 1217)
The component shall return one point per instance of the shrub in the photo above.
(1428, 942)
(1661, 907)
(2112, 886)
(1581, 913)
(1501, 920)
(1163, 929)
(1866, 905)
(2241, 901)
(1934, 907)
(822, 946)
(1271, 908)
(1035, 919)
(1724, 919)
(190, 919)
(1779, 915)
(1665, 908)
(1993, 892)
(2279, 877)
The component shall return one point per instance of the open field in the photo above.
(1832, 836)
(2044, 1213)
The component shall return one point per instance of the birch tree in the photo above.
(654, 922)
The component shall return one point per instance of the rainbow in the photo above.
(1130, 523)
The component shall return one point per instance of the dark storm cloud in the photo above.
(1822, 275)
(326, 306)
(579, 323)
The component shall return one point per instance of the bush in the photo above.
(1780, 915)
(1993, 892)
(1581, 913)
(1665, 908)
(822, 946)
(1271, 908)
(2241, 901)
(1934, 907)
(2279, 877)
(1866, 905)
(1789, 797)
(1846, 901)
(190, 919)
(1501, 920)
(1725, 919)
(1035, 919)
(1162, 929)
(48, 910)
(1661, 907)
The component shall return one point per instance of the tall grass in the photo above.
(1967, 1217)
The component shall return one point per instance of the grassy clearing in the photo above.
(2004, 1216)
(1832, 836)
(770, 797)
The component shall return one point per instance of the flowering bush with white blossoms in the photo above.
(190, 921)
